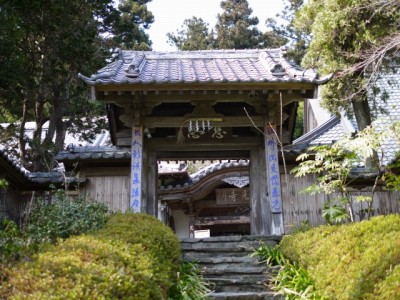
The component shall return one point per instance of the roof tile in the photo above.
(209, 66)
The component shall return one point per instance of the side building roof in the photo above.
(386, 104)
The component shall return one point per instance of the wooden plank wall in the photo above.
(3, 207)
(110, 190)
(299, 206)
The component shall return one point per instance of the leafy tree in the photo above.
(43, 46)
(334, 165)
(53, 41)
(283, 27)
(353, 40)
(236, 29)
(128, 27)
(193, 35)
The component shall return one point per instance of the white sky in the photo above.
(170, 14)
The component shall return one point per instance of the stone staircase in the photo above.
(226, 263)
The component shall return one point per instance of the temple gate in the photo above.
(223, 104)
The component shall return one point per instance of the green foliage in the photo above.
(12, 243)
(3, 184)
(194, 35)
(271, 256)
(128, 30)
(297, 40)
(64, 218)
(235, 29)
(392, 175)
(333, 165)
(133, 257)
(190, 284)
(351, 39)
(303, 227)
(289, 279)
(334, 213)
(49, 222)
(43, 46)
(353, 261)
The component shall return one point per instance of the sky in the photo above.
(170, 14)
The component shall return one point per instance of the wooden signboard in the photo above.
(208, 134)
(273, 175)
(234, 196)
(136, 169)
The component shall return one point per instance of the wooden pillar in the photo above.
(151, 184)
(260, 217)
(273, 179)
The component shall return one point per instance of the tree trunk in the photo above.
(362, 113)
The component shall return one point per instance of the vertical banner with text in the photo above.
(273, 175)
(136, 169)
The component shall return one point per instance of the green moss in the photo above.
(352, 261)
(133, 257)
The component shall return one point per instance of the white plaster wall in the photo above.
(181, 223)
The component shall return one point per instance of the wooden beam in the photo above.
(202, 155)
(176, 122)
(241, 95)
(210, 86)
(221, 220)
(242, 143)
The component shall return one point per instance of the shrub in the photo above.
(189, 284)
(354, 261)
(135, 260)
(64, 218)
(288, 278)
(12, 243)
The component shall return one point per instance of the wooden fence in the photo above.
(113, 190)
(299, 206)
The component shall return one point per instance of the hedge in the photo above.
(354, 261)
(133, 257)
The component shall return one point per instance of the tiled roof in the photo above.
(207, 171)
(52, 177)
(8, 158)
(208, 66)
(34, 177)
(336, 128)
(73, 153)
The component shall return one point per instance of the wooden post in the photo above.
(260, 217)
(135, 204)
(151, 183)
(273, 179)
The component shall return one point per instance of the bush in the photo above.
(288, 278)
(354, 261)
(133, 257)
(190, 284)
(47, 223)
(64, 218)
(12, 243)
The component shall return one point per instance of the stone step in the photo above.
(245, 246)
(233, 260)
(237, 279)
(226, 263)
(245, 296)
(225, 270)
(199, 255)
(234, 238)
(240, 283)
